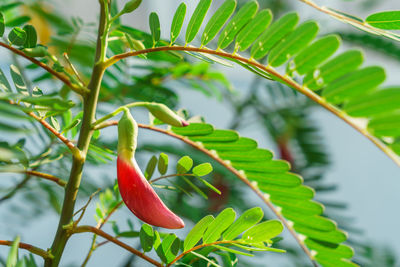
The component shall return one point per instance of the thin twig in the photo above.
(75, 151)
(16, 188)
(200, 247)
(83, 209)
(59, 76)
(169, 176)
(354, 22)
(288, 80)
(42, 175)
(35, 250)
(91, 229)
(73, 68)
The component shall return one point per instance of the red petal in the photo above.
(141, 198)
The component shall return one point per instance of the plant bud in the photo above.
(38, 51)
(136, 192)
(166, 115)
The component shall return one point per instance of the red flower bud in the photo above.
(135, 190)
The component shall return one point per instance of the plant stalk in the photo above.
(86, 132)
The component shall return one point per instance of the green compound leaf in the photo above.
(196, 20)
(282, 188)
(217, 21)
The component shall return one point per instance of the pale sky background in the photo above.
(368, 181)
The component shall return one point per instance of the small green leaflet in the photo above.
(18, 80)
(184, 165)
(154, 22)
(18, 21)
(197, 232)
(233, 251)
(146, 236)
(293, 43)
(354, 84)
(333, 69)
(374, 104)
(151, 166)
(252, 30)
(387, 20)
(217, 21)
(12, 257)
(169, 248)
(196, 20)
(4, 84)
(210, 261)
(278, 30)
(315, 54)
(31, 36)
(131, 6)
(2, 26)
(71, 125)
(163, 163)
(263, 232)
(241, 18)
(54, 122)
(385, 125)
(17, 36)
(177, 22)
(334, 237)
(245, 221)
(219, 225)
(202, 169)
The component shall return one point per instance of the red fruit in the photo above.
(135, 190)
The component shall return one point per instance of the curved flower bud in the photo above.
(135, 190)
(164, 114)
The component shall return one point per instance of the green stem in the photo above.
(86, 132)
(118, 110)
